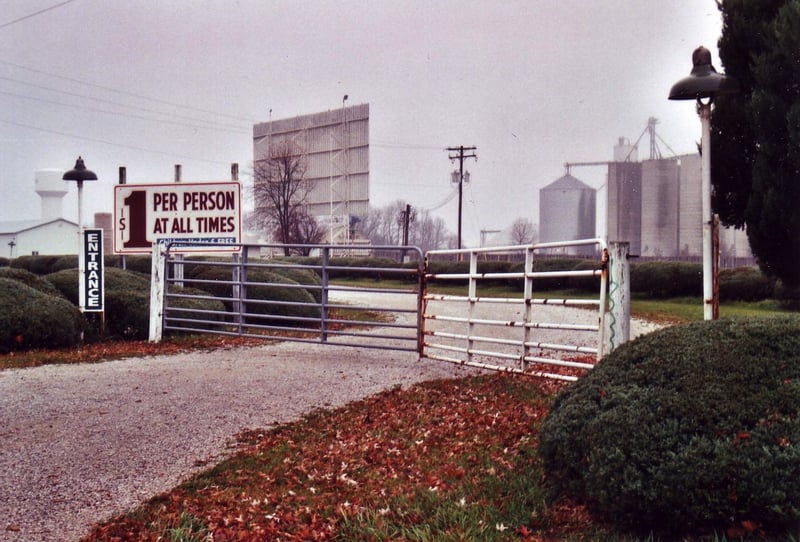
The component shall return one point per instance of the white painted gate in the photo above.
(548, 336)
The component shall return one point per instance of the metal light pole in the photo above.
(704, 83)
(79, 174)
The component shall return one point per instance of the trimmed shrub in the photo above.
(306, 277)
(281, 296)
(30, 318)
(66, 281)
(586, 284)
(127, 314)
(667, 279)
(175, 304)
(139, 263)
(38, 265)
(548, 265)
(689, 428)
(4, 262)
(29, 279)
(744, 284)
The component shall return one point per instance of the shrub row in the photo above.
(31, 318)
(694, 427)
(650, 279)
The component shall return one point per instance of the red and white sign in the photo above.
(192, 217)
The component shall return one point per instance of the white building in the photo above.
(51, 234)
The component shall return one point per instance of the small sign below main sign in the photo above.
(192, 217)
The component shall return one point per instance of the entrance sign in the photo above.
(194, 217)
(91, 285)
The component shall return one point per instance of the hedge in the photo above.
(29, 279)
(292, 301)
(31, 319)
(692, 428)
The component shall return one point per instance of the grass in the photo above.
(447, 460)
(443, 460)
(689, 309)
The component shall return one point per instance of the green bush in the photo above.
(184, 307)
(139, 263)
(115, 279)
(693, 427)
(744, 284)
(280, 291)
(4, 262)
(667, 279)
(30, 318)
(29, 279)
(38, 265)
(127, 314)
(586, 284)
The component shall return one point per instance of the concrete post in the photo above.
(619, 295)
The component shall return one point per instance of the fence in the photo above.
(514, 333)
(268, 297)
(257, 295)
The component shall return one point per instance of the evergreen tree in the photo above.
(755, 141)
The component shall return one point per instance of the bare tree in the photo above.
(280, 191)
(523, 232)
(307, 231)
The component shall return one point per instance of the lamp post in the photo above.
(703, 84)
(79, 174)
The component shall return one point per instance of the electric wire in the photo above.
(125, 92)
(112, 102)
(119, 114)
(110, 143)
(34, 14)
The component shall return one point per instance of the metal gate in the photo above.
(554, 337)
(257, 293)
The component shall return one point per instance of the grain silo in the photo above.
(690, 228)
(566, 210)
(660, 213)
(624, 208)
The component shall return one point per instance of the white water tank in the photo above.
(624, 151)
(51, 189)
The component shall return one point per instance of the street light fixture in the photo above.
(704, 83)
(79, 173)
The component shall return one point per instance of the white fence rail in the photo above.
(548, 336)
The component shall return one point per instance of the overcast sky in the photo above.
(532, 84)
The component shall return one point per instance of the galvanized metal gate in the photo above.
(260, 295)
(248, 295)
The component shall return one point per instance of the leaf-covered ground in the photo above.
(443, 460)
(119, 349)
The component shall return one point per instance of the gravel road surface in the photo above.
(81, 443)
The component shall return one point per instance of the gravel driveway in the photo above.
(80, 443)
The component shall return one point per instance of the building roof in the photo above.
(567, 182)
(17, 226)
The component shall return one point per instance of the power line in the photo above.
(110, 143)
(111, 102)
(116, 113)
(123, 92)
(34, 14)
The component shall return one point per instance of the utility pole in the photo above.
(459, 153)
